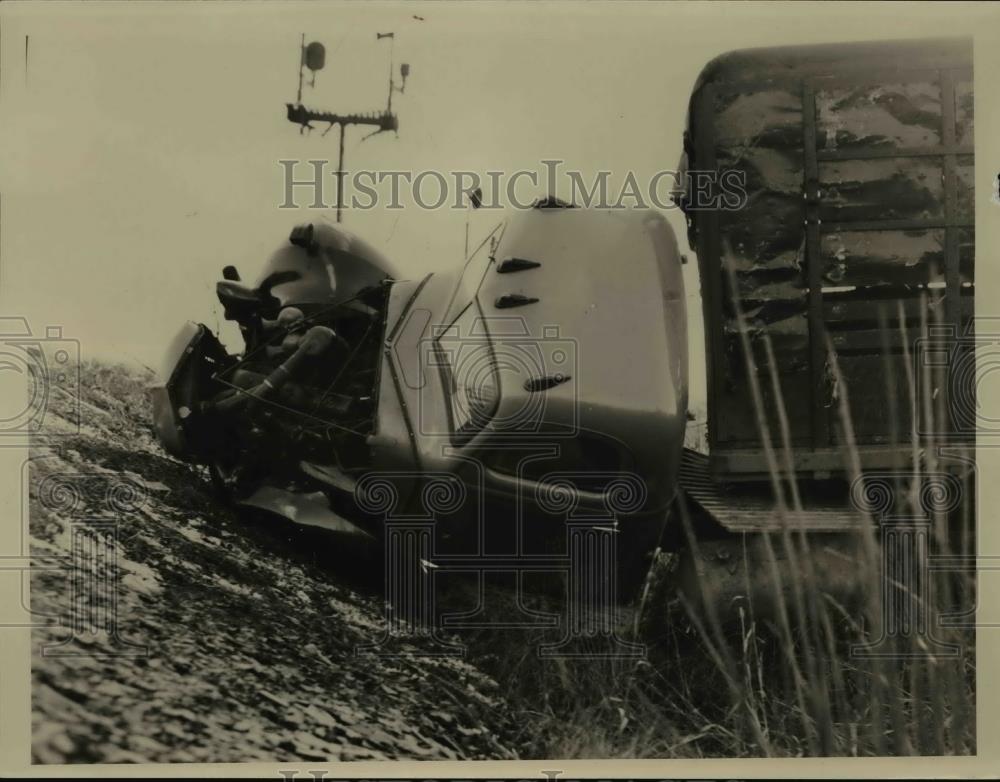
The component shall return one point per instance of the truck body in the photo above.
(529, 392)
(856, 236)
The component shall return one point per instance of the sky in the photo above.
(139, 145)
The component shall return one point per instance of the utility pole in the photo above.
(313, 57)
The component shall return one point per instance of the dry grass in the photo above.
(796, 682)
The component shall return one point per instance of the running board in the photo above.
(747, 508)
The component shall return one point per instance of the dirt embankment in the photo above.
(231, 641)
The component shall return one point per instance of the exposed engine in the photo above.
(301, 394)
(305, 387)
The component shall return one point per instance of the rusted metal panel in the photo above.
(758, 133)
(872, 259)
(966, 182)
(878, 388)
(859, 173)
(849, 311)
(766, 117)
(742, 427)
(900, 115)
(964, 113)
(888, 189)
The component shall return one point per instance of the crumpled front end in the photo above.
(185, 379)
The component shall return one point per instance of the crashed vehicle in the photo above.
(552, 364)
(548, 374)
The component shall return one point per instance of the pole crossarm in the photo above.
(383, 120)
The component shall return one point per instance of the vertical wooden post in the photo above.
(817, 330)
